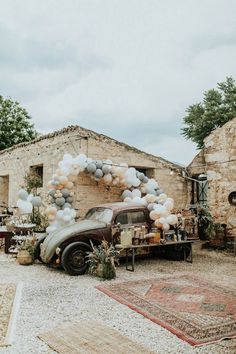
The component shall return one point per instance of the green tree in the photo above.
(217, 108)
(15, 126)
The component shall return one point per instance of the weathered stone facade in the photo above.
(48, 150)
(218, 161)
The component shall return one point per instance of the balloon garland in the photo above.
(132, 182)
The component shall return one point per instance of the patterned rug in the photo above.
(195, 310)
(7, 297)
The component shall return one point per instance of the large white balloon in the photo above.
(22, 194)
(136, 193)
(24, 206)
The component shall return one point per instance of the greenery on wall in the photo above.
(217, 108)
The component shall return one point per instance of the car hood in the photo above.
(57, 237)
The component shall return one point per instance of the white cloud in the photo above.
(116, 66)
(179, 150)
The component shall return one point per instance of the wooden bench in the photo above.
(187, 248)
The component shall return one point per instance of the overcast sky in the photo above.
(124, 68)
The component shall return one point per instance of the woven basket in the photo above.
(24, 258)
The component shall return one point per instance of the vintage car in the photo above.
(68, 246)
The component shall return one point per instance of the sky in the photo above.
(124, 68)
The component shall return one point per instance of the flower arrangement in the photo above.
(102, 260)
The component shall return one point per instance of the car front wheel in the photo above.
(74, 258)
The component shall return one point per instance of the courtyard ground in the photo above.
(50, 297)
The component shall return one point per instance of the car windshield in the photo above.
(99, 214)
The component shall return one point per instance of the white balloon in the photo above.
(136, 182)
(67, 218)
(24, 206)
(127, 193)
(128, 200)
(172, 219)
(66, 211)
(165, 227)
(163, 220)
(60, 215)
(138, 200)
(136, 193)
(159, 209)
(154, 215)
(22, 194)
(168, 205)
(152, 183)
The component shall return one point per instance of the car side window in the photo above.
(137, 217)
(131, 217)
(122, 219)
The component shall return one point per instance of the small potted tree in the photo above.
(25, 255)
(102, 261)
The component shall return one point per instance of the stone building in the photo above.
(218, 162)
(44, 153)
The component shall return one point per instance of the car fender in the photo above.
(60, 236)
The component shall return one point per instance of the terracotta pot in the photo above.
(24, 258)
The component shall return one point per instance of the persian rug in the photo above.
(195, 310)
(90, 337)
(8, 297)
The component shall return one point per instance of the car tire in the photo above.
(73, 258)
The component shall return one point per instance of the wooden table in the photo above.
(7, 236)
(187, 247)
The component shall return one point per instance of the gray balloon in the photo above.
(36, 201)
(145, 179)
(91, 168)
(52, 192)
(99, 164)
(98, 173)
(65, 192)
(69, 199)
(106, 169)
(60, 201)
(141, 176)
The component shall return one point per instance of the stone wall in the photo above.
(220, 165)
(4, 190)
(49, 150)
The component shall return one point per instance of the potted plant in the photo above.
(102, 260)
(205, 224)
(25, 255)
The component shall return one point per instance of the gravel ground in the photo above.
(50, 297)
